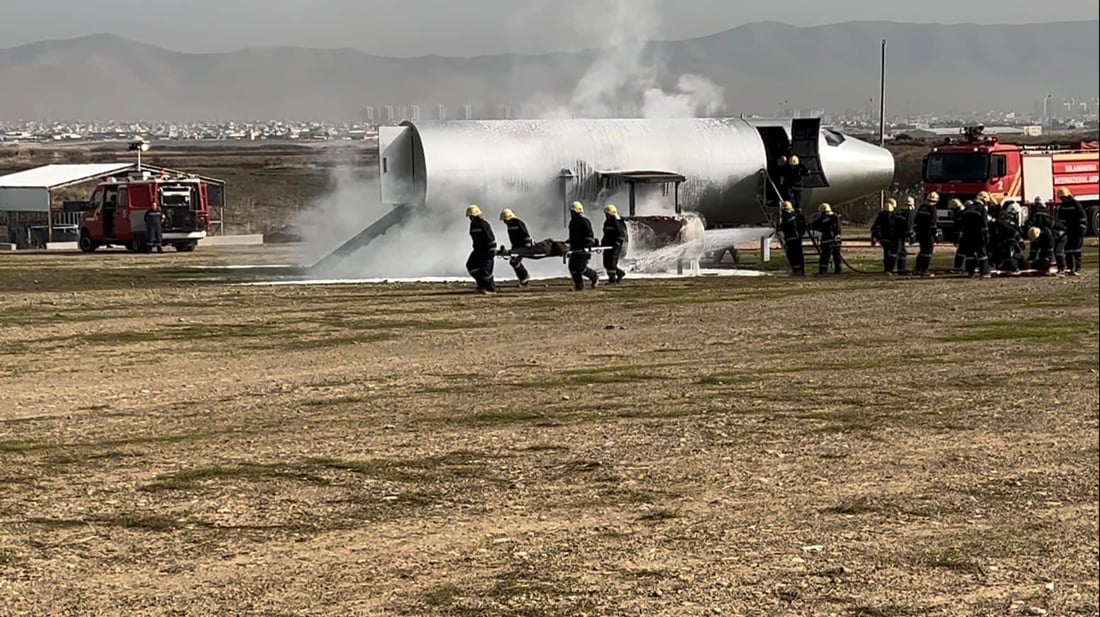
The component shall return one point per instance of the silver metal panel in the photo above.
(1038, 178)
(23, 199)
(54, 176)
(519, 164)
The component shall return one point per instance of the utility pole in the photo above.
(882, 115)
(882, 99)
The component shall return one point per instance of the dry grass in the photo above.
(248, 450)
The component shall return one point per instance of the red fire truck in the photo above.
(1010, 172)
(115, 213)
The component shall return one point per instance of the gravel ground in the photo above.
(174, 444)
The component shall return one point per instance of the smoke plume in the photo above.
(624, 79)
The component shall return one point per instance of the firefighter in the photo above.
(480, 263)
(1041, 250)
(974, 241)
(614, 240)
(1072, 216)
(901, 235)
(881, 233)
(1015, 214)
(519, 237)
(581, 238)
(927, 229)
(793, 225)
(1005, 252)
(827, 223)
(792, 181)
(1040, 217)
(957, 209)
(154, 228)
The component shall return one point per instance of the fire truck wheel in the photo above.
(1094, 221)
(186, 247)
(85, 242)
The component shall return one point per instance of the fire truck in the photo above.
(1009, 172)
(115, 213)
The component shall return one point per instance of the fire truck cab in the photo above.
(1011, 172)
(115, 213)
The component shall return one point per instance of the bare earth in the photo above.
(171, 444)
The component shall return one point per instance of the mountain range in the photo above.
(931, 68)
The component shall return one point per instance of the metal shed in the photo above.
(25, 214)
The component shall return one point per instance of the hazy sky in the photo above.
(464, 27)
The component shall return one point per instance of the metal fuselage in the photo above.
(546, 164)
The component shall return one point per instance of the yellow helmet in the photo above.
(957, 204)
(910, 202)
(891, 204)
(825, 208)
(1064, 192)
(788, 206)
(933, 198)
(795, 160)
(985, 197)
(1034, 233)
(507, 215)
(473, 211)
(611, 210)
(577, 208)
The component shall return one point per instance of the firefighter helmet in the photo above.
(985, 197)
(473, 211)
(507, 215)
(577, 208)
(1064, 192)
(956, 204)
(933, 198)
(611, 210)
(910, 202)
(1034, 233)
(795, 160)
(891, 204)
(1038, 201)
(825, 208)
(788, 206)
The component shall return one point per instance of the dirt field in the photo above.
(172, 443)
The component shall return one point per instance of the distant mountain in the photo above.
(931, 68)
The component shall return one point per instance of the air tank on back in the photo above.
(539, 166)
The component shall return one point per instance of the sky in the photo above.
(465, 27)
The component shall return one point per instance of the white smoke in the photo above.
(625, 79)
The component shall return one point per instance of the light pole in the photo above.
(139, 145)
(882, 115)
(882, 100)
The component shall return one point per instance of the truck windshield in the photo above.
(968, 167)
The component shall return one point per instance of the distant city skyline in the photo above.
(424, 27)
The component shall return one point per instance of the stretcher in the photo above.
(547, 249)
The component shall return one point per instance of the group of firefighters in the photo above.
(988, 236)
(581, 246)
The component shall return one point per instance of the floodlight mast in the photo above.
(139, 145)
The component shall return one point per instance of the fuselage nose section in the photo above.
(854, 168)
